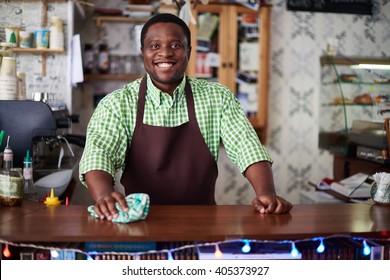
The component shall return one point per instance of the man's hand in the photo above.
(271, 204)
(105, 206)
(100, 185)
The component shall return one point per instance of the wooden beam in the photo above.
(44, 13)
(43, 65)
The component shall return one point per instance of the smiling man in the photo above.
(163, 132)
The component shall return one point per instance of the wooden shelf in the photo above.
(118, 77)
(116, 19)
(341, 60)
(37, 51)
(41, 52)
(100, 19)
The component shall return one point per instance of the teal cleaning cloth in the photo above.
(138, 204)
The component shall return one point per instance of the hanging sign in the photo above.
(363, 7)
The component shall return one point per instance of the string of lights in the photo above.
(247, 244)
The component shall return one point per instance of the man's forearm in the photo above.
(261, 178)
(100, 183)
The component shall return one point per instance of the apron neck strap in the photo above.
(142, 98)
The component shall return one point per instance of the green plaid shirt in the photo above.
(218, 113)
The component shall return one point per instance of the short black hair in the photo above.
(166, 17)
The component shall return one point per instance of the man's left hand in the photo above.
(271, 204)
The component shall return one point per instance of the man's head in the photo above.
(165, 50)
(166, 18)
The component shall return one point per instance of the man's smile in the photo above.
(164, 64)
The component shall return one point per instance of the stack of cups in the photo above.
(56, 34)
(8, 79)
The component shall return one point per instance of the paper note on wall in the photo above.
(77, 75)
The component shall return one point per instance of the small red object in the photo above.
(67, 201)
(44, 197)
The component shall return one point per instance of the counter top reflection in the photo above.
(34, 222)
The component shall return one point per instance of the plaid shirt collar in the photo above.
(158, 97)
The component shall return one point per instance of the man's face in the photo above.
(165, 55)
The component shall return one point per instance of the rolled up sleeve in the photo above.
(106, 143)
(240, 140)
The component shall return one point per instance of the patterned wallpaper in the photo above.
(298, 39)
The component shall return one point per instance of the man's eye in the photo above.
(154, 47)
(176, 46)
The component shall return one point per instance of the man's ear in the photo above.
(189, 52)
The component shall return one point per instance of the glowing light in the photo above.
(54, 254)
(89, 258)
(170, 257)
(371, 66)
(218, 253)
(6, 252)
(366, 249)
(294, 250)
(247, 247)
(321, 247)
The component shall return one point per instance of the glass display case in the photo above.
(354, 97)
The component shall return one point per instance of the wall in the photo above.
(28, 16)
(298, 39)
(118, 37)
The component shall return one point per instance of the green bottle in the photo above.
(30, 191)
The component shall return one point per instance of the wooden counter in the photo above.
(33, 222)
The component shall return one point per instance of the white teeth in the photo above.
(165, 65)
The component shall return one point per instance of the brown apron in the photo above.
(172, 164)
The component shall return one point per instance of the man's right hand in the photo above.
(105, 206)
(100, 185)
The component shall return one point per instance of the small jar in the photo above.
(89, 59)
(103, 59)
(11, 187)
(115, 66)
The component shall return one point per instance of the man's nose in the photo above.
(166, 51)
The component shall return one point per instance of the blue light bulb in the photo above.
(247, 247)
(294, 250)
(321, 247)
(366, 249)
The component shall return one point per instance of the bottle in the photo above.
(89, 59)
(8, 157)
(30, 191)
(103, 59)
